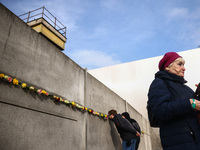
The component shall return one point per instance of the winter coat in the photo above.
(135, 126)
(124, 128)
(132, 121)
(169, 100)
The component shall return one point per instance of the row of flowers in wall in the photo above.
(74, 104)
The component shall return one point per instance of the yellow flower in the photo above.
(61, 100)
(1, 75)
(66, 101)
(15, 81)
(5, 76)
(43, 92)
(31, 88)
(23, 85)
(73, 104)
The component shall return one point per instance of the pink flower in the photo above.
(9, 79)
(39, 91)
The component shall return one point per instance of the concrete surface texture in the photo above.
(30, 121)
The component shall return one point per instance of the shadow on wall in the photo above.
(115, 136)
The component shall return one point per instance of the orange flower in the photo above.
(44, 92)
(15, 81)
(1, 75)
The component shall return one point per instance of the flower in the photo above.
(23, 85)
(44, 92)
(66, 101)
(56, 98)
(5, 77)
(73, 104)
(15, 81)
(31, 88)
(91, 111)
(1, 75)
(39, 91)
(9, 79)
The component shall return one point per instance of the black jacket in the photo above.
(124, 128)
(169, 99)
(132, 121)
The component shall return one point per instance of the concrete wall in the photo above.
(29, 121)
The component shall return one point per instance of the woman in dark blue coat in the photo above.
(174, 105)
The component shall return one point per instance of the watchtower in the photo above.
(42, 21)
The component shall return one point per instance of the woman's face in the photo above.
(177, 67)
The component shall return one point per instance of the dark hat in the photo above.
(126, 115)
(167, 59)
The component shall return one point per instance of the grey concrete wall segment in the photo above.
(29, 121)
(23, 129)
(102, 134)
(102, 98)
(155, 140)
(31, 57)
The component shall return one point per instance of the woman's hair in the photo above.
(112, 112)
(178, 59)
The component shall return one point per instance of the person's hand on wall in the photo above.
(137, 134)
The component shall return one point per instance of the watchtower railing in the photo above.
(44, 13)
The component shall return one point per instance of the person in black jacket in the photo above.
(135, 126)
(173, 103)
(127, 133)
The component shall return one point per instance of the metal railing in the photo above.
(44, 13)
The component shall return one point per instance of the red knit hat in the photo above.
(167, 59)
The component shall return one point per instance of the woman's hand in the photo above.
(197, 107)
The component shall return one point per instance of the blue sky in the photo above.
(102, 33)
